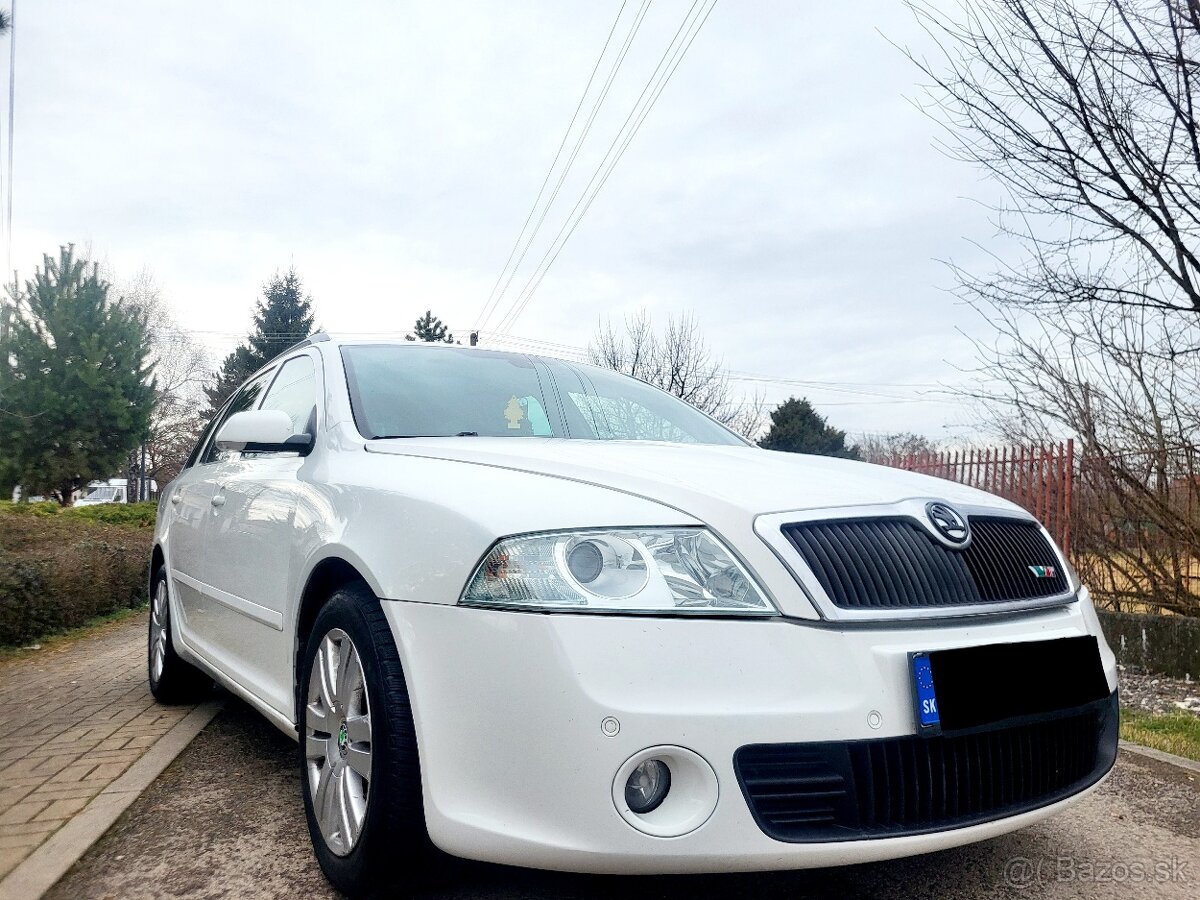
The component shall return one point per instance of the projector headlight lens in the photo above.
(682, 570)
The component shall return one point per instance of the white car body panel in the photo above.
(709, 685)
(508, 705)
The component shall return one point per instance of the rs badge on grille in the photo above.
(1043, 571)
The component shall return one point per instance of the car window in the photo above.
(246, 398)
(294, 392)
(434, 392)
(604, 405)
(414, 391)
(194, 456)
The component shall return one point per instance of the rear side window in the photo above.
(295, 393)
(246, 398)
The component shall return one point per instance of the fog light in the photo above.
(647, 786)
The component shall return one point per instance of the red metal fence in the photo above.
(1039, 478)
(1130, 521)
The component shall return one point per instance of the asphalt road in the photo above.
(225, 820)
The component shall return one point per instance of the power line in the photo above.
(12, 83)
(494, 298)
(537, 345)
(575, 150)
(689, 28)
(580, 354)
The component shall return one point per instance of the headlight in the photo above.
(680, 570)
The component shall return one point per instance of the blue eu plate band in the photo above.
(924, 695)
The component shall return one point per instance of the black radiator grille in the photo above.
(910, 785)
(894, 563)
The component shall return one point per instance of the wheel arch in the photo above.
(333, 571)
(157, 558)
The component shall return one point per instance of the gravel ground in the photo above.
(1157, 693)
(225, 820)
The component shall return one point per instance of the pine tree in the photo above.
(282, 318)
(76, 391)
(798, 428)
(429, 328)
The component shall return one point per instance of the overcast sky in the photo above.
(784, 188)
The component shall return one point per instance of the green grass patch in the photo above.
(58, 639)
(1177, 733)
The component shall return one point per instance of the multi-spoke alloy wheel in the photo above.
(171, 679)
(358, 750)
(158, 630)
(337, 741)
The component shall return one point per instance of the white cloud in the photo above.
(783, 187)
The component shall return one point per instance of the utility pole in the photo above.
(12, 99)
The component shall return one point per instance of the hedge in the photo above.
(60, 568)
(136, 515)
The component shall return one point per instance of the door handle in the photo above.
(218, 500)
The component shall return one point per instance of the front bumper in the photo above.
(525, 719)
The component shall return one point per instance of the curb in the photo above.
(1188, 765)
(39, 872)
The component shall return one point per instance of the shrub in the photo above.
(137, 515)
(60, 569)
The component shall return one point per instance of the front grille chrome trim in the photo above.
(769, 528)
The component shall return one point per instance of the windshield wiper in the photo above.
(396, 437)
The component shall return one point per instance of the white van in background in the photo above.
(115, 490)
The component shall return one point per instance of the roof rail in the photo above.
(317, 337)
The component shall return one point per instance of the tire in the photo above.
(171, 679)
(368, 832)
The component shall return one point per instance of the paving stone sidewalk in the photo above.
(73, 719)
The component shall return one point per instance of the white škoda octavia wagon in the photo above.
(539, 613)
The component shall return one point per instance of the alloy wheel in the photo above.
(158, 630)
(337, 741)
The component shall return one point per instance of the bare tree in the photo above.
(893, 449)
(680, 362)
(1084, 111)
(1112, 380)
(181, 369)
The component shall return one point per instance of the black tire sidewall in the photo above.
(180, 682)
(393, 841)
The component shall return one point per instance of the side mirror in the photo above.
(262, 431)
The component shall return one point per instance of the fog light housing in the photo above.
(674, 800)
(647, 786)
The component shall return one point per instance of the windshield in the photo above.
(399, 391)
(102, 493)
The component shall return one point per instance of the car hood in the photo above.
(698, 479)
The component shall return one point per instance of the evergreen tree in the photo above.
(429, 328)
(798, 428)
(282, 318)
(76, 391)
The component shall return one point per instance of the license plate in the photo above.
(928, 717)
